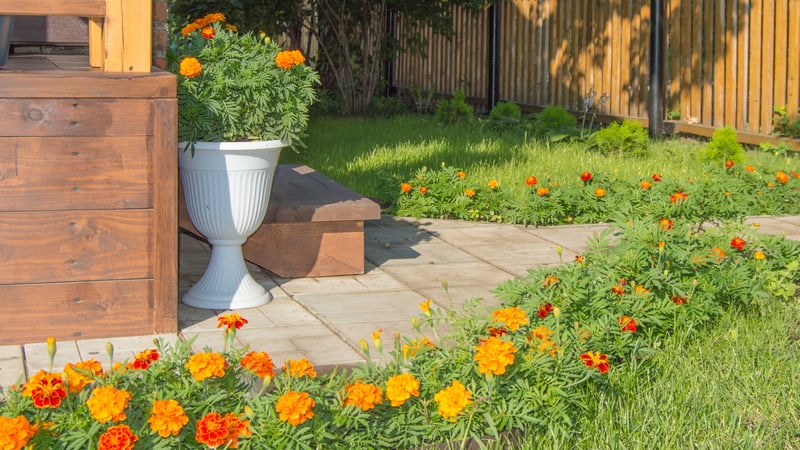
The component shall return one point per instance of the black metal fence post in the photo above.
(493, 88)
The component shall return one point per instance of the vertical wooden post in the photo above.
(655, 104)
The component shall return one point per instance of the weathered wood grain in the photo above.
(75, 117)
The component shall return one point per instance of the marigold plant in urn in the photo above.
(241, 99)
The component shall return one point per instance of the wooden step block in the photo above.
(314, 226)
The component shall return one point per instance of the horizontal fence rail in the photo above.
(726, 62)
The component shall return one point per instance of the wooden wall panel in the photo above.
(62, 246)
(76, 117)
(58, 173)
(69, 311)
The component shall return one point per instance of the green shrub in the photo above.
(385, 106)
(505, 117)
(555, 123)
(454, 110)
(722, 147)
(628, 138)
(785, 126)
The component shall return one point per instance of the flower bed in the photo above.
(522, 367)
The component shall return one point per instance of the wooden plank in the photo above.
(63, 246)
(720, 83)
(615, 57)
(742, 57)
(81, 8)
(708, 79)
(742, 136)
(77, 117)
(137, 47)
(767, 67)
(539, 59)
(793, 61)
(673, 42)
(67, 311)
(695, 53)
(625, 64)
(96, 42)
(644, 59)
(731, 63)
(58, 173)
(49, 83)
(754, 65)
(781, 42)
(165, 215)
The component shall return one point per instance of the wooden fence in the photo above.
(727, 62)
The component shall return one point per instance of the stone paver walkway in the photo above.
(323, 319)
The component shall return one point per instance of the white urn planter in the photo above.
(227, 186)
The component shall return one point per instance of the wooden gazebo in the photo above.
(88, 182)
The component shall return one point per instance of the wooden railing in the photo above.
(120, 31)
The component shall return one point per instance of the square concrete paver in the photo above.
(12, 365)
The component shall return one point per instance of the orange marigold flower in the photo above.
(586, 176)
(549, 280)
(400, 388)
(409, 351)
(759, 255)
(680, 195)
(645, 185)
(597, 360)
(600, 192)
(190, 67)
(45, 389)
(363, 395)
(770, 185)
(299, 367)
(258, 363)
(738, 243)
(579, 259)
(513, 317)
(214, 430)
(167, 418)
(656, 177)
(542, 332)
(497, 331)
(542, 191)
(232, 320)
(678, 299)
(143, 359)
(15, 432)
(665, 224)
(544, 309)
(782, 177)
(619, 290)
(376, 340)
(461, 174)
(208, 32)
(423, 190)
(531, 181)
(494, 355)
(627, 324)
(289, 58)
(493, 184)
(469, 193)
(729, 163)
(452, 400)
(405, 188)
(717, 254)
(750, 168)
(295, 407)
(107, 404)
(641, 290)
(206, 365)
(78, 375)
(426, 307)
(119, 437)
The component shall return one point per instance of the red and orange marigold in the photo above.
(206, 365)
(738, 243)
(232, 320)
(295, 407)
(167, 418)
(494, 355)
(597, 360)
(627, 324)
(46, 389)
(108, 404)
(119, 437)
(586, 176)
(678, 299)
(363, 395)
(208, 32)
(258, 363)
(645, 185)
(544, 309)
(423, 190)
(452, 400)
(656, 177)
(461, 174)
(678, 196)
(600, 192)
(493, 184)
(531, 181)
(469, 193)
(216, 430)
(665, 224)
(405, 188)
(15, 432)
(143, 359)
(542, 191)
(400, 388)
(782, 177)
(513, 317)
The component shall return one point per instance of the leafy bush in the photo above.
(627, 138)
(785, 126)
(454, 110)
(384, 106)
(555, 123)
(722, 147)
(505, 117)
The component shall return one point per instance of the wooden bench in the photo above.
(314, 226)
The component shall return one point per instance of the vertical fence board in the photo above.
(674, 55)
(709, 35)
(767, 66)
(644, 57)
(754, 67)
(625, 45)
(743, 49)
(793, 62)
(781, 44)
(720, 81)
